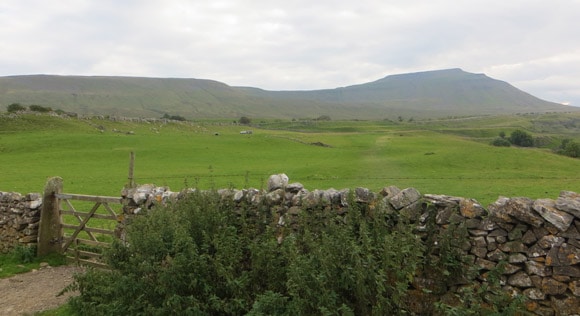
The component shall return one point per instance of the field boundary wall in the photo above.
(537, 241)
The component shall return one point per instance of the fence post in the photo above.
(49, 228)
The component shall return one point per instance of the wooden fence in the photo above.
(64, 224)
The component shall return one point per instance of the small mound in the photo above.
(320, 144)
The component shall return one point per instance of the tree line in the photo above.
(567, 147)
(17, 107)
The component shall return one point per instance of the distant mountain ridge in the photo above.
(436, 93)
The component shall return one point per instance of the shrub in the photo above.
(323, 118)
(501, 142)
(15, 107)
(244, 120)
(24, 253)
(521, 138)
(174, 117)
(39, 108)
(204, 256)
(569, 148)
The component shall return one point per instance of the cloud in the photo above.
(296, 44)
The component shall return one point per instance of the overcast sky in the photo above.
(297, 44)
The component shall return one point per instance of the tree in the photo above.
(570, 148)
(521, 138)
(502, 134)
(501, 142)
(244, 120)
(15, 107)
(173, 117)
(39, 108)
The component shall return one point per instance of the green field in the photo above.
(450, 156)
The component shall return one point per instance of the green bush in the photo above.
(15, 107)
(24, 253)
(204, 256)
(39, 108)
(501, 142)
(569, 148)
(521, 138)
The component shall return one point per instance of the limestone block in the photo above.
(277, 181)
(547, 209)
(520, 279)
(405, 198)
(566, 305)
(574, 287)
(513, 246)
(470, 208)
(569, 202)
(496, 255)
(553, 287)
(537, 268)
(535, 294)
(569, 271)
(517, 258)
(568, 255)
(550, 241)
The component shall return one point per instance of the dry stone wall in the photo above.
(19, 219)
(535, 242)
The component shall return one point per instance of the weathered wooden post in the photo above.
(131, 170)
(49, 233)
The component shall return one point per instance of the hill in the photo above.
(451, 92)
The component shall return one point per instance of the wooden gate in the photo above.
(80, 242)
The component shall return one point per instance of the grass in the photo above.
(63, 310)
(13, 263)
(435, 156)
(451, 156)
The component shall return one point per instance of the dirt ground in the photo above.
(28, 293)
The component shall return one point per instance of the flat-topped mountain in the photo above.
(424, 94)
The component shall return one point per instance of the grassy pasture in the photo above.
(440, 157)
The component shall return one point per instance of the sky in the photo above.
(297, 44)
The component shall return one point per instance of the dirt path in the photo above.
(35, 291)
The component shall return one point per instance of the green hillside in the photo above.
(432, 94)
(450, 156)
